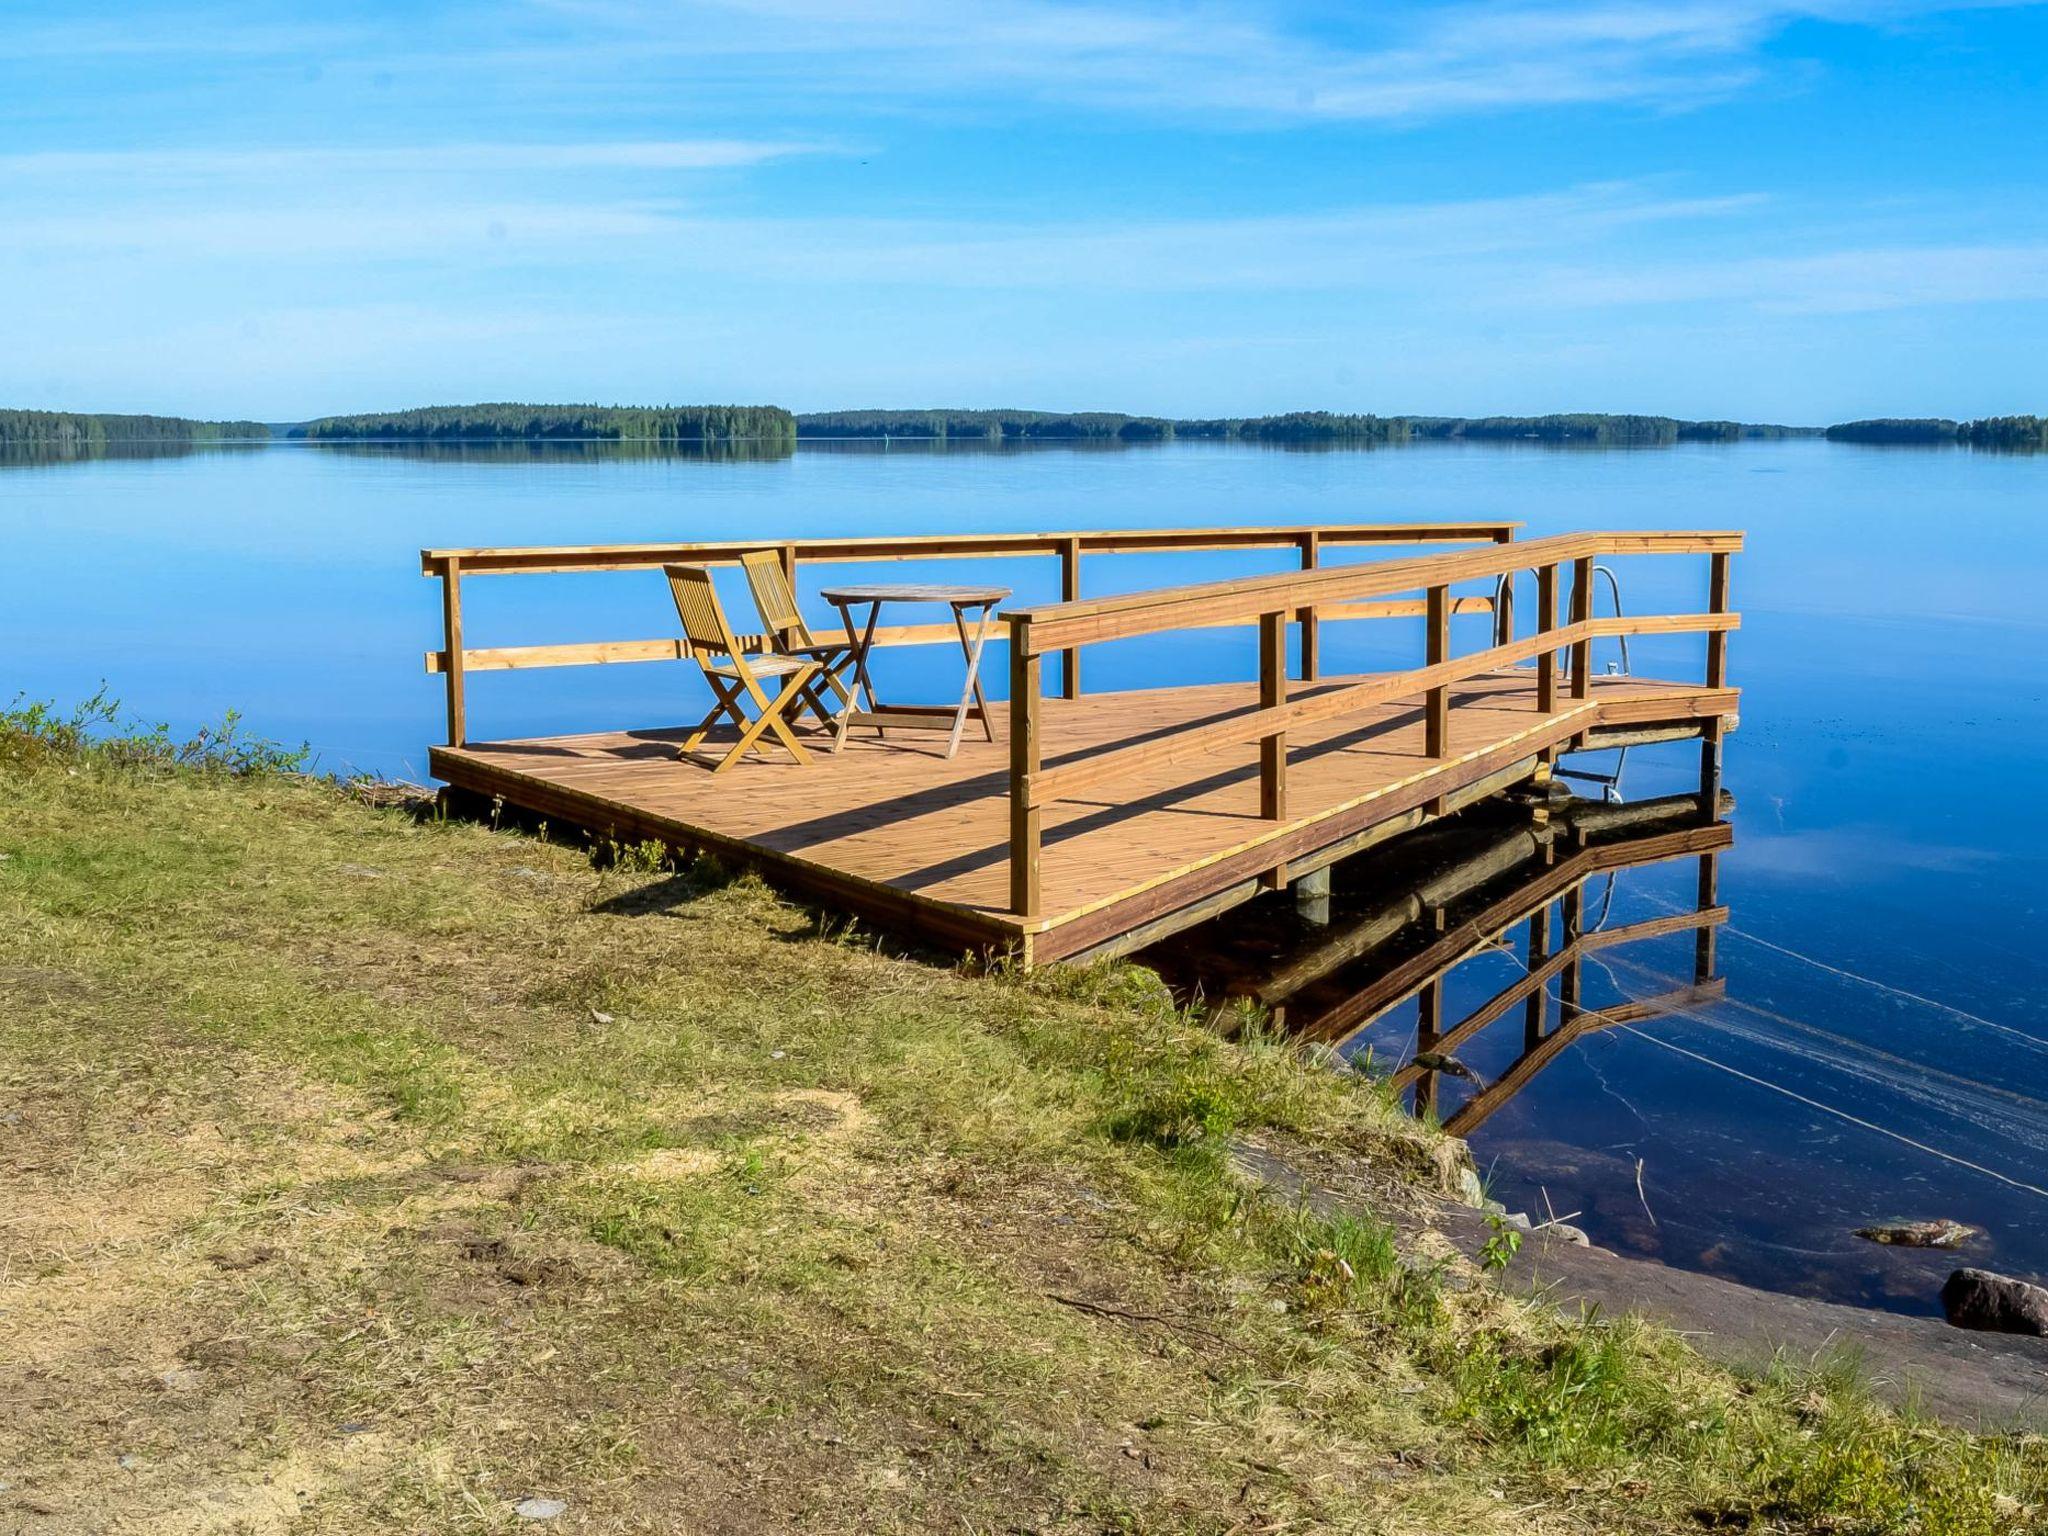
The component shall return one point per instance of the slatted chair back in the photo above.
(703, 616)
(772, 595)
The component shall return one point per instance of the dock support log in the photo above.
(1026, 819)
(451, 644)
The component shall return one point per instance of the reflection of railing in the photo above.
(1271, 601)
(454, 661)
(1552, 958)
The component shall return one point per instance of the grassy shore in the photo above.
(359, 1173)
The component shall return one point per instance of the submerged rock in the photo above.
(1989, 1303)
(1919, 1234)
(1437, 1061)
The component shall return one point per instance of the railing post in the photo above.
(1546, 622)
(1717, 639)
(1026, 819)
(1504, 617)
(1436, 730)
(1273, 694)
(788, 553)
(1582, 612)
(1070, 591)
(1311, 626)
(451, 641)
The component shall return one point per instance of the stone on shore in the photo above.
(1989, 1303)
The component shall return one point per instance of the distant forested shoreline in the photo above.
(483, 423)
(1293, 427)
(68, 433)
(773, 431)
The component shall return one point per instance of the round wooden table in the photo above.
(979, 601)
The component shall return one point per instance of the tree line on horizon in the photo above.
(67, 432)
(80, 434)
(2010, 432)
(1292, 427)
(504, 420)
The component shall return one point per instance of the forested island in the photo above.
(2011, 432)
(68, 433)
(503, 421)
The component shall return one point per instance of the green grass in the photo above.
(455, 1165)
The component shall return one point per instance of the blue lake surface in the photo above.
(1883, 1050)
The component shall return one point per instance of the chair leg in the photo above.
(770, 719)
(727, 705)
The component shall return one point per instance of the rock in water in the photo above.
(1436, 1061)
(1976, 1298)
(1919, 1234)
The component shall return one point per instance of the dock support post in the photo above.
(451, 629)
(1312, 897)
(1273, 745)
(1546, 621)
(1582, 612)
(1026, 818)
(1070, 592)
(1311, 626)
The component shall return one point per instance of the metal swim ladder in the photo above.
(1503, 616)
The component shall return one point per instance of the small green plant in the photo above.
(1499, 1250)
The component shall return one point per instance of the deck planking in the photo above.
(892, 831)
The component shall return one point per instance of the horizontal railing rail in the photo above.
(454, 661)
(1270, 600)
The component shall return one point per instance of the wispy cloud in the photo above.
(1545, 253)
(409, 159)
(1407, 60)
(1389, 63)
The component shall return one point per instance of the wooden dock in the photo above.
(1095, 823)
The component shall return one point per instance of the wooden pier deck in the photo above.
(1095, 823)
(896, 834)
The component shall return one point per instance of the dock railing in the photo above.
(454, 661)
(1270, 602)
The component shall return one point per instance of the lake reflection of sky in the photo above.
(1893, 659)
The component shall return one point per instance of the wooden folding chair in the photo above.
(791, 636)
(733, 675)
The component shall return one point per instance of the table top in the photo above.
(914, 592)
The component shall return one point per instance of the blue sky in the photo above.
(1701, 207)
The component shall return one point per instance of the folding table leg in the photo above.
(971, 691)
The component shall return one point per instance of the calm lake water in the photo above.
(1883, 1049)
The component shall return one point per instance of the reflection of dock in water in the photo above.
(1405, 917)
